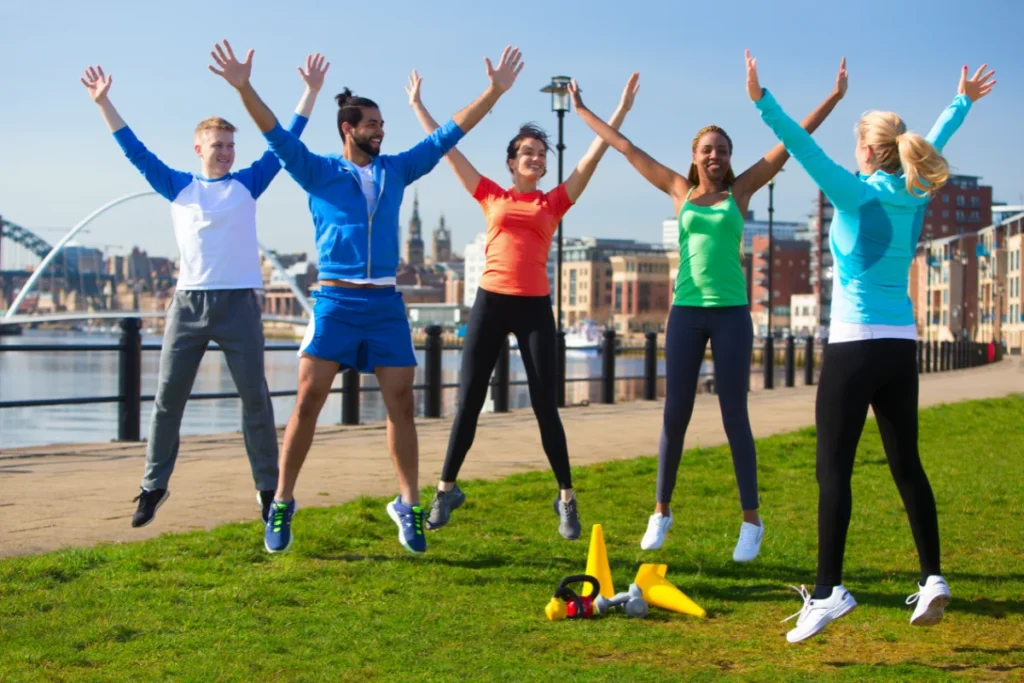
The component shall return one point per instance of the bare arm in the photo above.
(98, 85)
(313, 76)
(766, 168)
(501, 79)
(464, 171)
(237, 74)
(662, 177)
(579, 178)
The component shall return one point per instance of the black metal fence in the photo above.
(932, 357)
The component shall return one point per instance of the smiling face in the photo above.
(368, 133)
(531, 160)
(713, 156)
(217, 150)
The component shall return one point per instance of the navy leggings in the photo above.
(731, 333)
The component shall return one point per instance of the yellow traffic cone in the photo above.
(659, 592)
(597, 564)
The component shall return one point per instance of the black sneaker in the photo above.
(149, 502)
(265, 498)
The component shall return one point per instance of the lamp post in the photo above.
(963, 295)
(769, 342)
(559, 104)
(928, 290)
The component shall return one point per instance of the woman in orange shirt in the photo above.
(515, 298)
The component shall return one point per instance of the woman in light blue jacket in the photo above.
(871, 358)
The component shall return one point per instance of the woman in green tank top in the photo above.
(710, 302)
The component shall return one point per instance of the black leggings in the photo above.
(881, 373)
(493, 318)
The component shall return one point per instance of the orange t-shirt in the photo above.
(519, 231)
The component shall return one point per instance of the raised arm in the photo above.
(969, 91)
(579, 178)
(464, 171)
(662, 177)
(846, 190)
(758, 175)
(305, 167)
(165, 180)
(422, 158)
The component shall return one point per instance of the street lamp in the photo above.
(560, 105)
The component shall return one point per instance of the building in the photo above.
(414, 243)
(820, 276)
(454, 281)
(441, 243)
(960, 207)
(641, 292)
(803, 315)
(791, 265)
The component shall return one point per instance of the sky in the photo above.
(59, 162)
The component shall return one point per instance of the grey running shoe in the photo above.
(569, 525)
(443, 504)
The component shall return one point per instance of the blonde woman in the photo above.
(871, 356)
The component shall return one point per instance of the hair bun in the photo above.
(343, 98)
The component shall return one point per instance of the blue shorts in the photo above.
(362, 328)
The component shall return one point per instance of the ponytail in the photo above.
(926, 170)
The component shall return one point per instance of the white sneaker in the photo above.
(931, 600)
(657, 526)
(749, 544)
(817, 614)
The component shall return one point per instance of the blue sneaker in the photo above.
(278, 536)
(409, 519)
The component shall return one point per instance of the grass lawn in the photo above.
(348, 603)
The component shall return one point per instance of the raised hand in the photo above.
(753, 85)
(978, 86)
(96, 83)
(509, 67)
(574, 95)
(413, 88)
(316, 69)
(630, 91)
(231, 70)
(841, 79)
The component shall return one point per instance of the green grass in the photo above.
(347, 603)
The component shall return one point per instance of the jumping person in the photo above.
(710, 303)
(515, 298)
(359, 318)
(871, 355)
(214, 219)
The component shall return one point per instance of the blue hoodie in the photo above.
(351, 243)
(876, 224)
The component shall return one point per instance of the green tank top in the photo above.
(710, 271)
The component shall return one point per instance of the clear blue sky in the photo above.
(59, 162)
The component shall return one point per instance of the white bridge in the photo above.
(116, 315)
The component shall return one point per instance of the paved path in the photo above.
(50, 496)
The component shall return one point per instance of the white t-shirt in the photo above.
(370, 192)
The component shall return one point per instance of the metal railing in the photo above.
(932, 357)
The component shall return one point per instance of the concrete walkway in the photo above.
(80, 495)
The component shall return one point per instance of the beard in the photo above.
(363, 143)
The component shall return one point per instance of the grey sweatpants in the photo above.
(232, 318)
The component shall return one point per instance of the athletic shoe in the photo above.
(278, 536)
(409, 519)
(265, 498)
(657, 526)
(149, 503)
(815, 615)
(442, 506)
(569, 519)
(931, 599)
(749, 544)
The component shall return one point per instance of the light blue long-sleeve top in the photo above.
(876, 224)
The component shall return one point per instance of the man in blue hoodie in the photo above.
(359, 318)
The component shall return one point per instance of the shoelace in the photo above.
(277, 512)
(914, 598)
(417, 519)
(747, 534)
(805, 594)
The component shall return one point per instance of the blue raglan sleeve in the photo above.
(421, 159)
(844, 189)
(166, 181)
(257, 178)
(949, 121)
(308, 169)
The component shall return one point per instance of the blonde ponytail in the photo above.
(895, 150)
(926, 170)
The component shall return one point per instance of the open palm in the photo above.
(978, 86)
(96, 82)
(753, 84)
(413, 88)
(231, 70)
(842, 79)
(630, 91)
(315, 72)
(508, 68)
